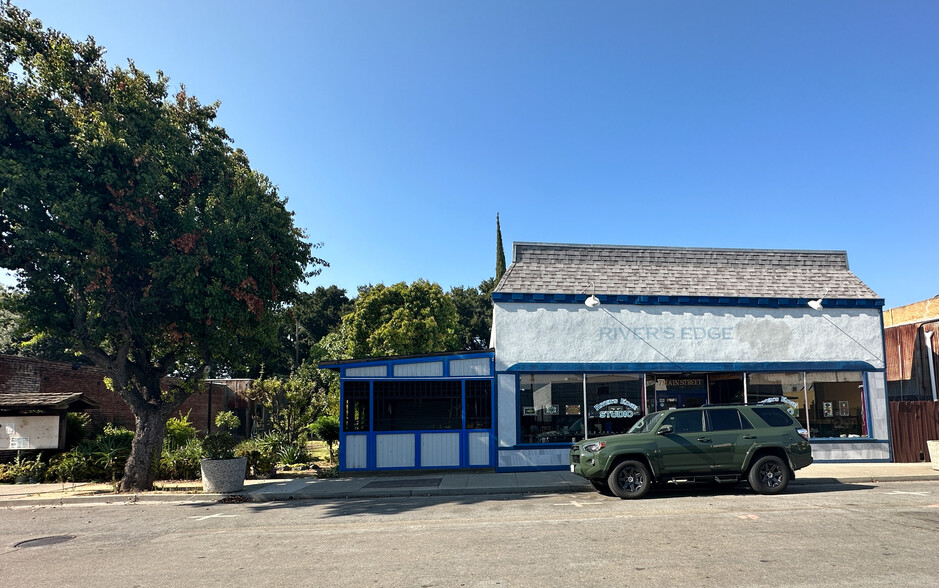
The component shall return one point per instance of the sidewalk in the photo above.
(430, 483)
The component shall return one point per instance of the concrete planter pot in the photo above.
(222, 476)
(933, 447)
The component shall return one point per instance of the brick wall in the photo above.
(25, 374)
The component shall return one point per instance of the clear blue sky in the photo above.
(399, 129)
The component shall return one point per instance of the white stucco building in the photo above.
(681, 327)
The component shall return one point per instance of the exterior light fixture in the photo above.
(815, 304)
(592, 301)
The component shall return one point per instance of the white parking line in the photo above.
(214, 516)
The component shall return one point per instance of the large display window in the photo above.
(562, 408)
(836, 404)
(828, 404)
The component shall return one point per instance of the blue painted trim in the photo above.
(766, 302)
(781, 366)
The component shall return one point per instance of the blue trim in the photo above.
(766, 302)
(781, 366)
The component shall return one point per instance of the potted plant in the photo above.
(222, 472)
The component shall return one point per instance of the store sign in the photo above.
(793, 406)
(667, 333)
(616, 408)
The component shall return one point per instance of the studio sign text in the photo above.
(667, 333)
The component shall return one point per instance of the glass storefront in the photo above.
(560, 408)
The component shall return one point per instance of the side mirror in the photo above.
(665, 430)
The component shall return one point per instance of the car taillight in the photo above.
(804, 433)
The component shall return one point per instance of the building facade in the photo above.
(588, 338)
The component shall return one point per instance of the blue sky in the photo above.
(399, 129)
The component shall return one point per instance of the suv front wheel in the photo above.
(629, 479)
(769, 475)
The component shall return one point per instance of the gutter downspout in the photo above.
(931, 360)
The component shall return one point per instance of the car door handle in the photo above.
(704, 439)
(749, 436)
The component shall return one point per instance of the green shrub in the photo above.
(179, 431)
(180, 462)
(227, 421)
(261, 461)
(292, 454)
(219, 446)
(326, 428)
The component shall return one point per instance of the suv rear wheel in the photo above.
(629, 479)
(769, 475)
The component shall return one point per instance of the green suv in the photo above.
(726, 443)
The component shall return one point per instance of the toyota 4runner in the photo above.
(763, 444)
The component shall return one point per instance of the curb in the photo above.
(260, 497)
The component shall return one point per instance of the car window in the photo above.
(773, 416)
(685, 422)
(727, 419)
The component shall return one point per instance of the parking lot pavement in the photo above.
(424, 483)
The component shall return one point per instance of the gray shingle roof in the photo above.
(552, 268)
(45, 400)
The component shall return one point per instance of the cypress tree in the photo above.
(500, 252)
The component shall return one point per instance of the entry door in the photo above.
(684, 399)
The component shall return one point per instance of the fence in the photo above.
(912, 423)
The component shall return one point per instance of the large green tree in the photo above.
(134, 228)
(474, 306)
(401, 319)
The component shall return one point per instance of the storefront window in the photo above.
(787, 387)
(614, 403)
(418, 405)
(836, 404)
(551, 408)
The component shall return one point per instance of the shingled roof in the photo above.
(553, 268)
(45, 400)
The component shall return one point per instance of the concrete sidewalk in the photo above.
(425, 483)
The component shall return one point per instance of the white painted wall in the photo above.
(573, 333)
(440, 449)
(394, 450)
(479, 448)
(356, 451)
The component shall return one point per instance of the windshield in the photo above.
(648, 423)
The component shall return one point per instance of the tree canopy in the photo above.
(401, 319)
(135, 229)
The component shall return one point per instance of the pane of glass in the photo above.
(418, 405)
(836, 404)
(725, 388)
(782, 387)
(614, 403)
(551, 408)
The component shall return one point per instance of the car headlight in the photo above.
(594, 447)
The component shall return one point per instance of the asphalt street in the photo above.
(869, 534)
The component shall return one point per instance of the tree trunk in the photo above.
(141, 467)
